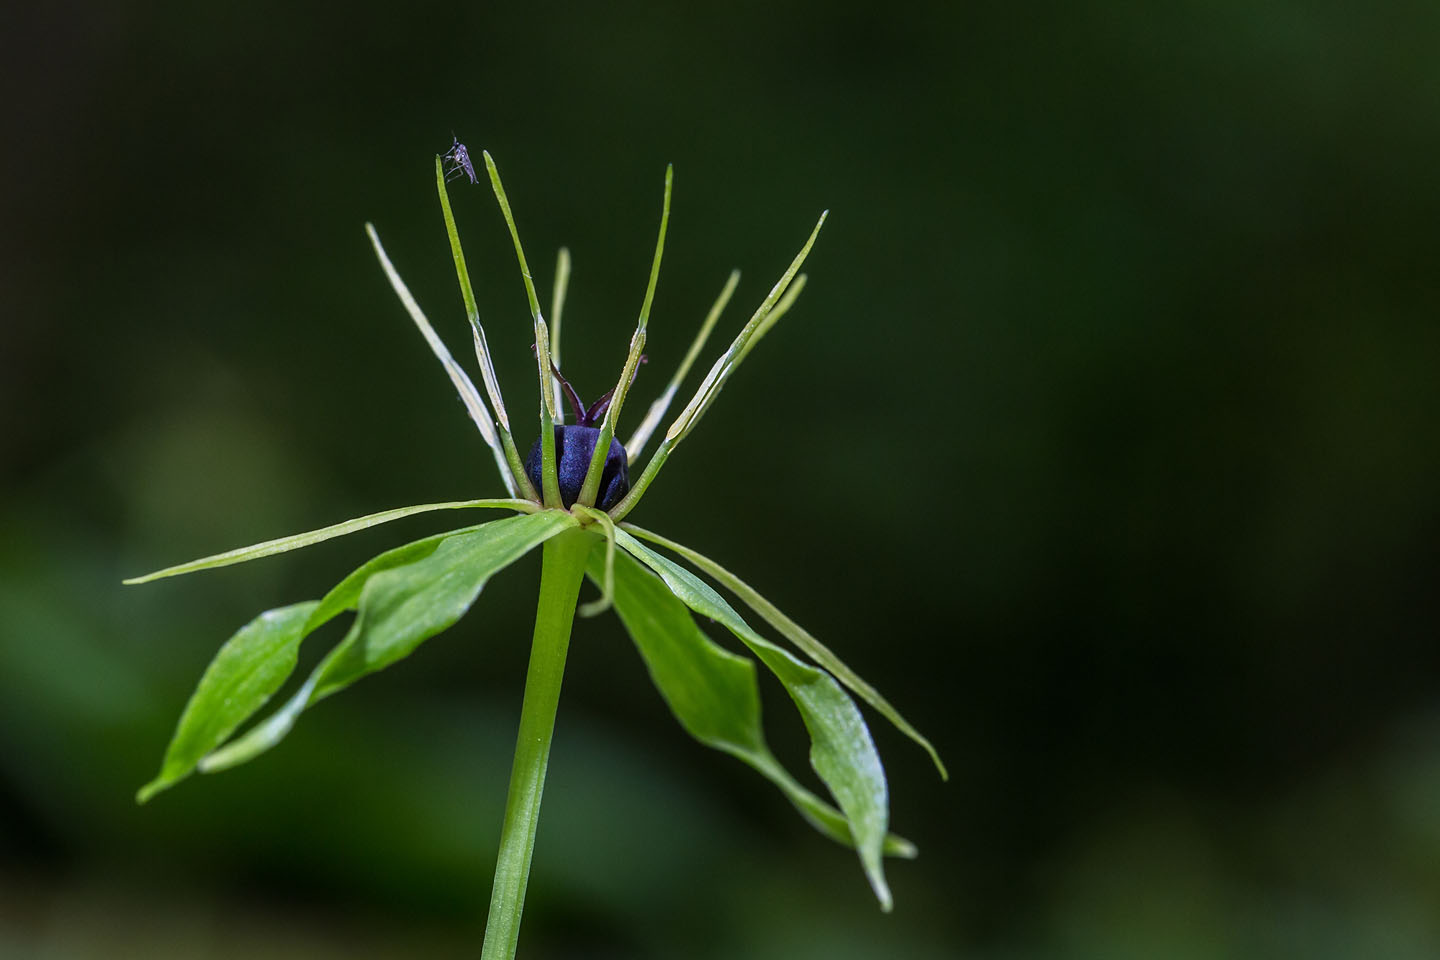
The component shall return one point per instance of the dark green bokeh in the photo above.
(1103, 441)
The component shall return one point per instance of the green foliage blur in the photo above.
(1103, 441)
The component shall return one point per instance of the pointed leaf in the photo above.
(248, 669)
(711, 691)
(345, 595)
(254, 663)
(841, 750)
(398, 609)
(402, 607)
(799, 636)
(296, 541)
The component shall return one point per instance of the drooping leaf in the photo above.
(398, 609)
(248, 669)
(711, 691)
(799, 636)
(255, 662)
(296, 541)
(841, 750)
(345, 595)
(404, 606)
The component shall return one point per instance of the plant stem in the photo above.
(562, 569)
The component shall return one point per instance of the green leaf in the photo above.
(841, 750)
(711, 691)
(799, 636)
(404, 606)
(248, 669)
(253, 664)
(398, 609)
(295, 542)
(345, 595)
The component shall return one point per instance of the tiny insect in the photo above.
(460, 157)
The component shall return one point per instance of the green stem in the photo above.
(562, 569)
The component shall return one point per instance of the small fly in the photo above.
(460, 157)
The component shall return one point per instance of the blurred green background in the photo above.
(1103, 441)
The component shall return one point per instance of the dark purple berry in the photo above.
(574, 446)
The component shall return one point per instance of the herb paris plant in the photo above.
(569, 497)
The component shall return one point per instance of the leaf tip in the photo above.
(901, 848)
(934, 757)
(145, 793)
(882, 893)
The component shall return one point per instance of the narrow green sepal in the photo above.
(296, 541)
(591, 487)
